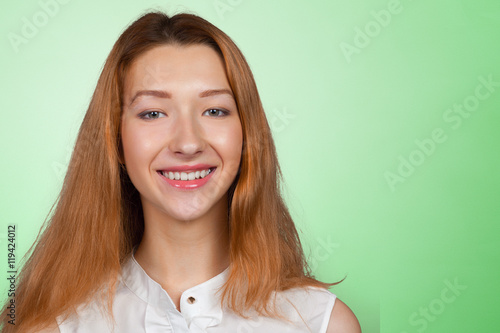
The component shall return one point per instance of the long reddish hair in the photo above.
(98, 218)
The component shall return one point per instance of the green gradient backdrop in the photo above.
(342, 123)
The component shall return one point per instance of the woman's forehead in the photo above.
(172, 67)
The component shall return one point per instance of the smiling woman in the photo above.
(171, 218)
(181, 127)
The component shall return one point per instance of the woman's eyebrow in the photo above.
(166, 94)
(156, 93)
(212, 92)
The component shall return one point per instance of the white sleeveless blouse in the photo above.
(141, 305)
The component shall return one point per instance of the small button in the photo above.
(191, 300)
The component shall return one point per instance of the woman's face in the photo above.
(181, 133)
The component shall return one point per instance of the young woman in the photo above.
(170, 218)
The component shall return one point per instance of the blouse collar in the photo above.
(200, 305)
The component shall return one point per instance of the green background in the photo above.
(343, 122)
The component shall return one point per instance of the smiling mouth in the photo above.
(186, 176)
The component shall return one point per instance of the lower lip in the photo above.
(188, 184)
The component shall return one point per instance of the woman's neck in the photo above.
(182, 254)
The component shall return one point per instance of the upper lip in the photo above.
(185, 168)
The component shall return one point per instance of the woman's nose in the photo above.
(187, 137)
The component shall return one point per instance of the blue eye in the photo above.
(150, 115)
(216, 113)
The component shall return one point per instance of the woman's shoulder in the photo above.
(311, 306)
(309, 296)
(321, 309)
(342, 319)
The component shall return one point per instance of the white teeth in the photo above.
(187, 176)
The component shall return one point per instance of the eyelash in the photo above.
(223, 111)
(146, 114)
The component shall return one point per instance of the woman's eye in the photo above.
(216, 112)
(151, 115)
